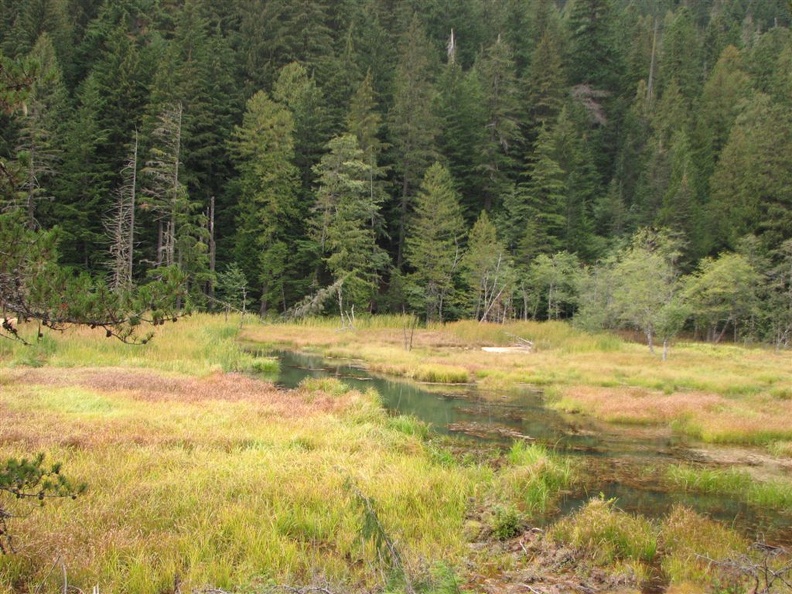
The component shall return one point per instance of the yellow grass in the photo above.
(218, 480)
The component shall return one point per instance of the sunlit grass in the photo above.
(222, 481)
(606, 534)
(692, 545)
(199, 345)
(202, 473)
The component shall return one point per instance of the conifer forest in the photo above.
(625, 163)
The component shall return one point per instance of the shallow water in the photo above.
(619, 462)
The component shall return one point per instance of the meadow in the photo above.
(203, 476)
(723, 394)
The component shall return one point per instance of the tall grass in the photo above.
(606, 534)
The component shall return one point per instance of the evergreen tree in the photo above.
(85, 181)
(681, 55)
(412, 124)
(40, 139)
(723, 97)
(595, 61)
(751, 185)
(547, 85)
(298, 91)
(268, 187)
(502, 139)
(536, 212)
(364, 123)
(342, 220)
(462, 116)
(433, 247)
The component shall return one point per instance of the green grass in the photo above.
(534, 478)
(770, 494)
(594, 374)
(606, 534)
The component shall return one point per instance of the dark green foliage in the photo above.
(572, 123)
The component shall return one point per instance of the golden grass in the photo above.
(219, 480)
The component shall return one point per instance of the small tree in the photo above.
(554, 282)
(232, 287)
(23, 479)
(638, 287)
(646, 293)
(489, 272)
(723, 293)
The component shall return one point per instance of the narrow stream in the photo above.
(626, 463)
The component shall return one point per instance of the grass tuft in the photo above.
(606, 534)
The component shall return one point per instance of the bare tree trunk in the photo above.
(650, 84)
(121, 225)
(212, 247)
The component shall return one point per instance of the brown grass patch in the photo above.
(153, 409)
(641, 406)
(709, 416)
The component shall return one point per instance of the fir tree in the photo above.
(434, 243)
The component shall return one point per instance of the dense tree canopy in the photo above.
(293, 143)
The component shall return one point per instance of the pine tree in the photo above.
(502, 139)
(298, 91)
(40, 138)
(536, 215)
(268, 186)
(547, 86)
(752, 182)
(681, 55)
(462, 116)
(364, 123)
(595, 61)
(433, 247)
(85, 181)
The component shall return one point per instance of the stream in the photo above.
(626, 463)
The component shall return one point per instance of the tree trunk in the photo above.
(650, 339)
